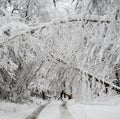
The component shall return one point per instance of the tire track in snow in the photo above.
(35, 114)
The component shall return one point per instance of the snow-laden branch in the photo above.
(72, 18)
(86, 18)
(5, 12)
(103, 81)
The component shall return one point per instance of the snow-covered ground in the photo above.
(18, 111)
(94, 110)
(55, 110)
(51, 111)
(82, 111)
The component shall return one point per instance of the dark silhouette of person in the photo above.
(43, 95)
(62, 94)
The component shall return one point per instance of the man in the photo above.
(62, 94)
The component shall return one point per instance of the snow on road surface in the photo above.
(94, 111)
(65, 114)
(56, 110)
(36, 113)
(51, 111)
(72, 110)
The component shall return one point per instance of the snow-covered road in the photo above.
(36, 113)
(51, 111)
(59, 110)
(65, 114)
(56, 110)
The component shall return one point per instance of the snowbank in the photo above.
(94, 111)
